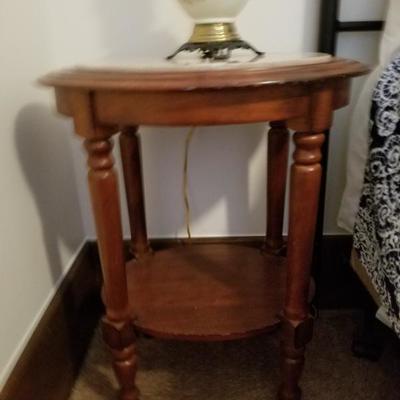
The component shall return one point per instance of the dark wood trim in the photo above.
(332, 253)
(52, 359)
(338, 287)
(328, 26)
(327, 44)
(359, 26)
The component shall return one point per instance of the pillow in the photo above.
(391, 35)
(357, 154)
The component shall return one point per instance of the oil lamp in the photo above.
(214, 34)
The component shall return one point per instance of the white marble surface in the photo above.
(192, 62)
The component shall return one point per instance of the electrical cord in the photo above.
(185, 186)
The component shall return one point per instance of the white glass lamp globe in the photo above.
(214, 34)
(212, 11)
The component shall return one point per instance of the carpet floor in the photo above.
(248, 369)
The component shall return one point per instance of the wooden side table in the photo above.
(206, 292)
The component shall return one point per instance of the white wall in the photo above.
(44, 212)
(40, 221)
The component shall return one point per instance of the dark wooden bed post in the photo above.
(366, 340)
(330, 27)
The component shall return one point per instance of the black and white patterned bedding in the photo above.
(377, 227)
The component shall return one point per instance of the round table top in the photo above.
(164, 77)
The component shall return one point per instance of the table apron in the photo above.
(198, 108)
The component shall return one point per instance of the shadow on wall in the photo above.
(45, 156)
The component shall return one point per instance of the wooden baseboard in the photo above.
(338, 287)
(52, 359)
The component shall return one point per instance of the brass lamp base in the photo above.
(215, 41)
(216, 32)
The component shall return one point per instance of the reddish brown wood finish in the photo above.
(200, 98)
(304, 191)
(238, 297)
(207, 292)
(117, 326)
(193, 80)
(278, 151)
(132, 165)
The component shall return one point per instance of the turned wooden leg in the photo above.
(131, 161)
(117, 324)
(297, 324)
(278, 149)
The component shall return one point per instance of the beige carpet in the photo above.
(248, 369)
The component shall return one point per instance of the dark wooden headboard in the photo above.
(330, 27)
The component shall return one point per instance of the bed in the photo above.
(359, 158)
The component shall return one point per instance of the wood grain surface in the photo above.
(207, 292)
(190, 80)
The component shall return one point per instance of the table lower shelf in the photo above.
(207, 292)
